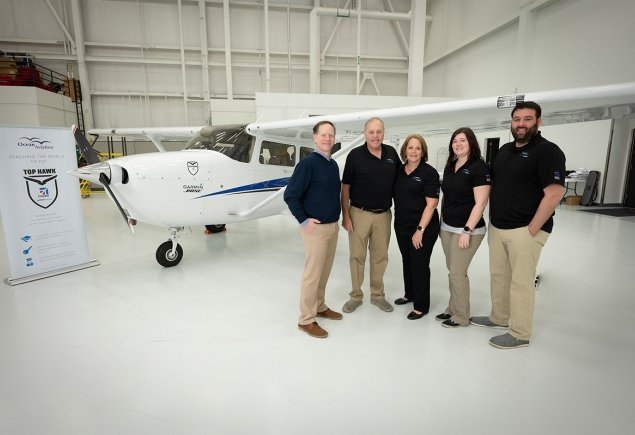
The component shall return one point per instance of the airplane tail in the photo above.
(85, 147)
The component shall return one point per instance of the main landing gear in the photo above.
(214, 229)
(170, 253)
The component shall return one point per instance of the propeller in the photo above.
(85, 147)
(96, 166)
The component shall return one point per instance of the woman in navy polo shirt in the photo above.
(416, 222)
(466, 185)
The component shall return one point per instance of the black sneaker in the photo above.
(450, 324)
(443, 316)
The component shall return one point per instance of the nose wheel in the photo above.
(170, 253)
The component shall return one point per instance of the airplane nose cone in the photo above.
(92, 172)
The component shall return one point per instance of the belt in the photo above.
(371, 210)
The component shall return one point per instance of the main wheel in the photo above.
(213, 229)
(165, 257)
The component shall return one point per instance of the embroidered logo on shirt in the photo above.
(466, 171)
(524, 154)
(390, 160)
(417, 179)
(556, 175)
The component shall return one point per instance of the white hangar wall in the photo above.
(473, 48)
(562, 44)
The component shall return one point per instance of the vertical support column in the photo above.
(525, 46)
(417, 48)
(314, 52)
(183, 77)
(228, 52)
(202, 15)
(267, 64)
(87, 105)
(289, 45)
(358, 84)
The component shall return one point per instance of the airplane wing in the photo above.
(481, 114)
(156, 134)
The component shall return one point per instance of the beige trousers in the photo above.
(513, 259)
(319, 253)
(371, 232)
(458, 261)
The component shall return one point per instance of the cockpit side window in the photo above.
(278, 154)
(305, 152)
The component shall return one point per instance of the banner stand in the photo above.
(18, 281)
(42, 218)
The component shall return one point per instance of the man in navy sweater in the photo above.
(313, 197)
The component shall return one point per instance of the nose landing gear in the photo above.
(170, 253)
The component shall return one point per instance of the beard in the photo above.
(525, 136)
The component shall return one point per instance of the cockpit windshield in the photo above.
(232, 142)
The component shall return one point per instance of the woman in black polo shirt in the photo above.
(466, 185)
(416, 222)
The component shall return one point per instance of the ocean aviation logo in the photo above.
(41, 186)
(192, 167)
(35, 142)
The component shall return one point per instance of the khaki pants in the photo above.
(513, 259)
(458, 261)
(371, 232)
(319, 253)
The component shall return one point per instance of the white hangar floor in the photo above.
(211, 346)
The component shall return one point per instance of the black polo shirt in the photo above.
(519, 176)
(371, 179)
(458, 191)
(411, 192)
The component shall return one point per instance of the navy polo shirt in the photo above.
(411, 192)
(458, 191)
(371, 179)
(519, 176)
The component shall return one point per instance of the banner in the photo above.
(40, 204)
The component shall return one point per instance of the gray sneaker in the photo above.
(485, 321)
(383, 304)
(351, 305)
(507, 341)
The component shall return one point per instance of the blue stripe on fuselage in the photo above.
(263, 186)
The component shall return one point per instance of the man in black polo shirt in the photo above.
(367, 188)
(527, 186)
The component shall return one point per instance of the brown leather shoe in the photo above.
(314, 330)
(330, 314)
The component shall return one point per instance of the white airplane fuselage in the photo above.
(191, 187)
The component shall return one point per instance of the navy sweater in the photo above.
(314, 190)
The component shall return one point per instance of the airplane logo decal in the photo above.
(192, 167)
(42, 189)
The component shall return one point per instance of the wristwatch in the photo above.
(467, 230)
(419, 228)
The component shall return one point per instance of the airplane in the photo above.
(236, 173)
